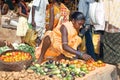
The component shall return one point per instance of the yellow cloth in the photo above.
(112, 12)
(61, 14)
(55, 48)
(96, 43)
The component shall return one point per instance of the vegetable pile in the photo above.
(23, 47)
(27, 48)
(3, 49)
(65, 69)
(15, 56)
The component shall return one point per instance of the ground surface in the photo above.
(9, 35)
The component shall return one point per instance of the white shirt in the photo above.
(40, 12)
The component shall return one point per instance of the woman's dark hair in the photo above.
(77, 16)
(58, 0)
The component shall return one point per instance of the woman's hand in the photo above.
(87, 57)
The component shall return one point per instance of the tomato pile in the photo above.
(15, 56)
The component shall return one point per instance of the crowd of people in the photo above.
(57, 28)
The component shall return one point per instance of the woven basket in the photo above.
(14, 66)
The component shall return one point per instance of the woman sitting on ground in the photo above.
(64, 40)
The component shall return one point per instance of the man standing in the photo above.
(83, 7)
(37, 17)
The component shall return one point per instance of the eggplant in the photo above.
(51, 61)
(51, 75)
(81, 74)
(51, 66)
(57, 63)
(73, 73)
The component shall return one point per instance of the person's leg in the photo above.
(45, 46)
(101, 45)
(38, 41)
(40, 32)
(89, 44)
(22, 39)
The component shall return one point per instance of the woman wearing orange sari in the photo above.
(63, 40)
(56, 14)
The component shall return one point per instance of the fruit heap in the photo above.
(89, 65)
(15, 56)
(66, 69)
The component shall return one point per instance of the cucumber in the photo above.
(56, 71)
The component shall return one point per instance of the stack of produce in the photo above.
(26, 48)
(89, 65)
(66, 69)
(3, 49)
(15, 56)
(23, 47)
(15, 60)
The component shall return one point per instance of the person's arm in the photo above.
(6, 43)
(67, 48)
(20, 11)
(21, 14)
(4, 10)
(2, 43)
(51, 19)
(65, 45)
(33, 16)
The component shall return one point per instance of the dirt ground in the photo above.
(9, 35)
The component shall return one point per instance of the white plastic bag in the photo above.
(97, 15)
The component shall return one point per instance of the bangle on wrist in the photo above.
(79, 53)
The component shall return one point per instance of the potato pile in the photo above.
(23, 75)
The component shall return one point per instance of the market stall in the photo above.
(63, 69)
(76, 71)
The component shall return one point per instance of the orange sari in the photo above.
(55, 48)
(61, 14)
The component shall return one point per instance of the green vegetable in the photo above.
(72, 66)
(56, 71)
(77, 70)
(3, 49)
(27, 48)
(51, 66)
(37, 65)
(59, 75)
(33, 68)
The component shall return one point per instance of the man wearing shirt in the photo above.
(83, 7)
(37, 17)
